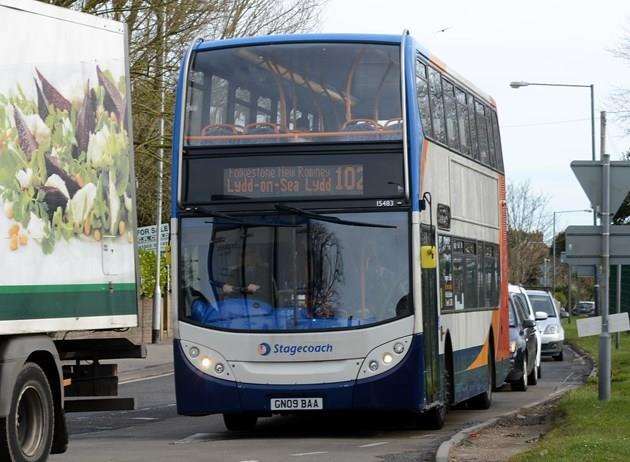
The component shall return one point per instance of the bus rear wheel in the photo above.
(240, 422)
(26, 434)
(484, 400)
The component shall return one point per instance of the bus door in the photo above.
(430, 320)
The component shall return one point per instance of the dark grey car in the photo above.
(523, 346)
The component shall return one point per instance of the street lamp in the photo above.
(570, 85)
(558, 212)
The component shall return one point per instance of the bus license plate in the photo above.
(292, 404)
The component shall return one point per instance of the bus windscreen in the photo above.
(296, 273)
(294, 93)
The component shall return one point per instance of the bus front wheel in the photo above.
(435, 417)
(239, 422)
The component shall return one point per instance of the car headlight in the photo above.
(512, 346)
(552, 329)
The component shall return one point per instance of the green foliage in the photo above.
(147, 271)
(561, 297)
(590, 429)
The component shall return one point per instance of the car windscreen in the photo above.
(512, 314)
(291, 272)
(542, 303)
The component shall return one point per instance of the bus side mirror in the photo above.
(428, 257)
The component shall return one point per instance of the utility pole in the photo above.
(157, 295)
(604, 338)
(569, 293)
(618, 304)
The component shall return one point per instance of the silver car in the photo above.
(552, 330)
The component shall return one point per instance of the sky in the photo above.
(492, 43)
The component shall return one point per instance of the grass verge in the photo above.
(588, 429)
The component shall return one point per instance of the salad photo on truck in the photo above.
(67, 222)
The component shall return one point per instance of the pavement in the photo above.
(155, 432)
(159, 361)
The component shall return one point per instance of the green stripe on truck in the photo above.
(67, 301)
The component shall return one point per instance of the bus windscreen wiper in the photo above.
(329, 219)
(238, 221)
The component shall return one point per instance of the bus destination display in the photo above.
(306, 180)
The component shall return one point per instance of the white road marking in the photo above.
(144, 418)
(195, 437)
(370, 445)
(145, 378)
(300, 454)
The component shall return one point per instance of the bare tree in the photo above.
(159, 32)
(528, 220)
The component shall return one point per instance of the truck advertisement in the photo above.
(67, 200)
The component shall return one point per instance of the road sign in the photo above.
(584, 245)
(593, 326)
(147, 236)
(589, 174)
(584, 271)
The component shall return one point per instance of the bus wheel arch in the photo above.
(449, 372)
(492, 359)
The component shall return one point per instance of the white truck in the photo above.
(68, 257)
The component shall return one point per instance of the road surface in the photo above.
(154, 432)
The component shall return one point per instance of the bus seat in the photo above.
(361, 125)
(394, 124)
(260, 128)
(220, 130)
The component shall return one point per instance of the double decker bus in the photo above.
(338, 230)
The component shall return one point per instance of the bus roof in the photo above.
(358, 38)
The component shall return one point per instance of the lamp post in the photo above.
(570, 85)
(553, 244)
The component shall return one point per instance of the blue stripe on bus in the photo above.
(414, 145)
(179, 103)
(401, 388)
(271, 39)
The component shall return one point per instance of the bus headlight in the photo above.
(207, 360)
(384, 357)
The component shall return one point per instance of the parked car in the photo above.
(553, 332)
(523, 346)
(584, 307)
(520, 293)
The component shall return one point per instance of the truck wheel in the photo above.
(239, 422)
(26, 433)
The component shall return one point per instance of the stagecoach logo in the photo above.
(278, 348)
(264, 349)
